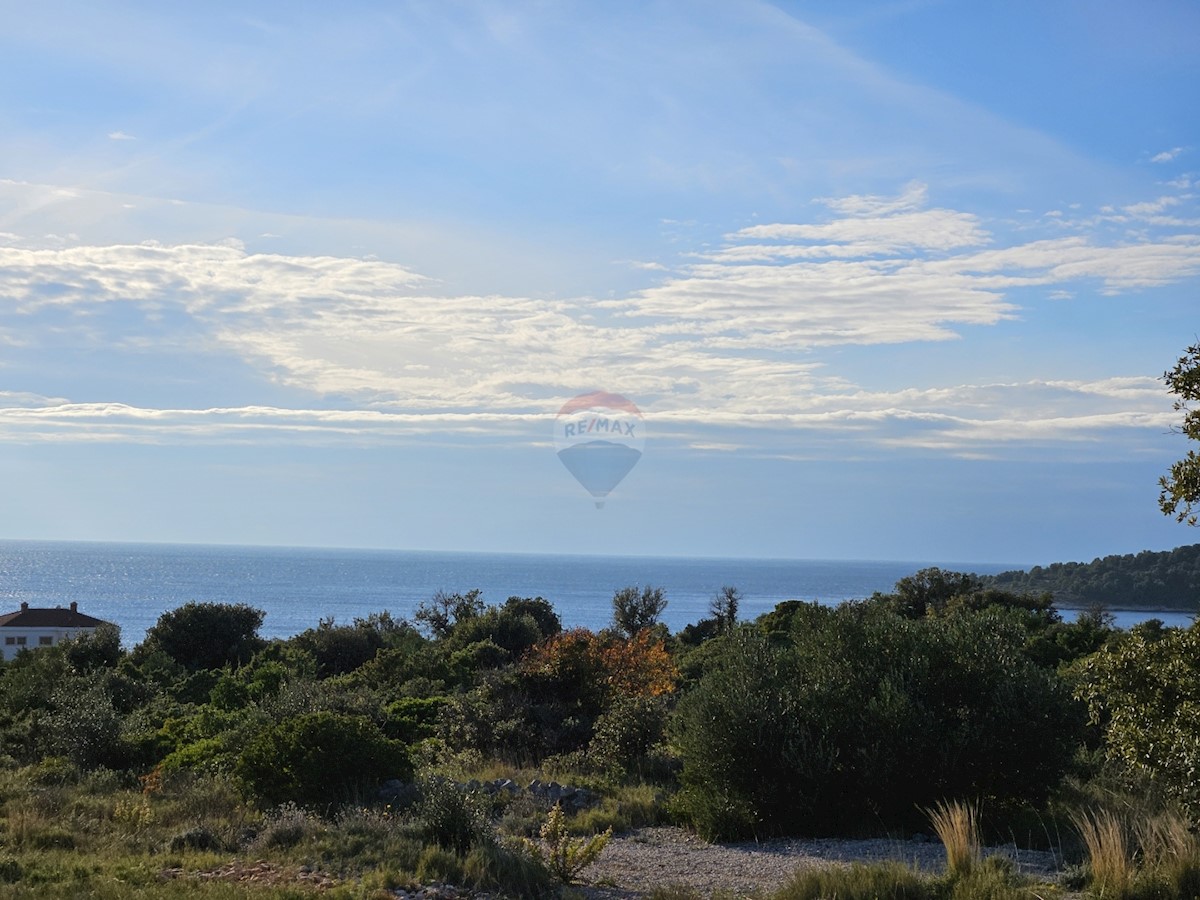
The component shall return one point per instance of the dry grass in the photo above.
(1108, 853)
(957, 826)
(1166, 841)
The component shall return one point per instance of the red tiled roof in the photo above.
(56, 617)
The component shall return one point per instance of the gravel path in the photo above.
(635, 863)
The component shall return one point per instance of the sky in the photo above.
(886, 279)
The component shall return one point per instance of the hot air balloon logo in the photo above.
(599, 438)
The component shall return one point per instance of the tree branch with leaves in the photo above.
(1180, 496)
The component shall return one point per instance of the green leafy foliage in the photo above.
(1144, 690)
(637, 608)
(627, 735)
(860, 715)
(566, 856)
(452, 817)
(207, 635)
(99, 649)
(1180, 495)
(444, 612)
(319, 758)
(411, 719)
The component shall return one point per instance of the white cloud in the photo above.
(723, 346)
(964, 419)
(1167, 155)
(1151, 207)
(120, 136)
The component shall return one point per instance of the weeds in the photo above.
(286, 827)
(563, 855)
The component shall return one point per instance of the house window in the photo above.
(10, 640)
(21, 641)
(45, 640)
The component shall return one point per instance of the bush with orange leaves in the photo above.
(601, 669)
(549, 703)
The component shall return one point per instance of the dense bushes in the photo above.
(859, 715)
(320, 758)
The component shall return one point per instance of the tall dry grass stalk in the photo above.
(1108, 853)
(1165, 840)
(957, 826)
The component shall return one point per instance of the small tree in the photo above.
(207, 635)
(1180, 496)
(445, 611)
(724, 607)
(930, 590)
(635, 609)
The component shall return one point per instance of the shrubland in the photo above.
(168, 768)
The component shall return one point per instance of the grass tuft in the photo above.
(857, 882)
(1111, 864)
(957, 826)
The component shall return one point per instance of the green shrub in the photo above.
(11, 870)
(199, 837)
(626, 736)
(53, 770)
(411, 719)
(206, 635)
(506, 627)
(750, 757)
(452, 817)
(563, 855)
(319, 758)
(1145, 692)
(209, 756)
(856, 716)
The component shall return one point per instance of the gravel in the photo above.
(635, 863)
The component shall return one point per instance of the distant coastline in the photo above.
(1165, 581)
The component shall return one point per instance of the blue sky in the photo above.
(887, 280)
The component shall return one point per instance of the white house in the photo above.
(30, 628)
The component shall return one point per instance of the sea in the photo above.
(133, 584)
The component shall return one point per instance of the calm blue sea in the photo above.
(133, 584)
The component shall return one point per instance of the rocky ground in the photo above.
(635, 863)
